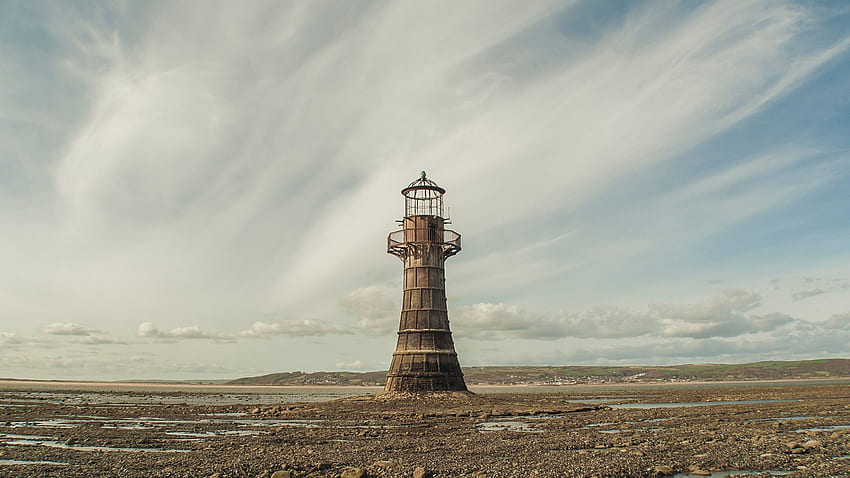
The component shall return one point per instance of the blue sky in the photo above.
(203, 189)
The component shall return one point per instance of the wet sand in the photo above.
(614, 432)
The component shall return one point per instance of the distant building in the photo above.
(425, 359)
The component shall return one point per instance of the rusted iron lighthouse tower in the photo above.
(425, 359)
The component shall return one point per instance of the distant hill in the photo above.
(822, 368)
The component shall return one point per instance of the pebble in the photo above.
(419, 472)
(695, 470)
(811, 444)
(661, 470)
(283, 474)
(353, 472)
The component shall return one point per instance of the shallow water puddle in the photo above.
(511, 425)
(827, 428)
(52, 423)
(35, 440)
(696, 404)
(736, 473)
(24, 462)
(779, 419)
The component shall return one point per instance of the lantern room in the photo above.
(423, 197)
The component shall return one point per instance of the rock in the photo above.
(811, 444)
(255, 411)
(384, 463)
(697, 471)
(479, 474)
(798, 451)
(283, 474)
(353, 472)
(419, 472)
(215, 475)
(661, 470)
(792, 444)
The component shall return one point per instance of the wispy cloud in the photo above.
(375, 308)
(193, 332)
(805, 294)
(70, 328)
(10, 339)
(292, 328)
(725, 315)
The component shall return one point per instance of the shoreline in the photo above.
(8, 383)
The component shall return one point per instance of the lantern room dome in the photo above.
(422, 187)
(422, 197)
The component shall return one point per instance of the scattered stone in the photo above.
(811, 444)
(283, 474)
(384, 463)
(792, 444)
(479, 474)
(419, 472)
(661, 470)
(696, 470)
(353, 472)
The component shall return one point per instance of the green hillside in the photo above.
(508, 375)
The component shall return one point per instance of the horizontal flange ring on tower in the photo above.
(423, 375)
(425, 352)
(416, 331)
(423, 236)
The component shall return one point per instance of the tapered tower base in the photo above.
(424, 360)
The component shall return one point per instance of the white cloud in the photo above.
(724, 315)
(69, 328)
(9, 339)
(375, 307)
(101, 340)
(292, 328)
(147, 330)
(355, 365)
(837, 322)
(805, 294)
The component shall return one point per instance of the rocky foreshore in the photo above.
(795, 430)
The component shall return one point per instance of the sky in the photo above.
(203, 189)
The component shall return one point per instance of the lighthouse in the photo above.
(424, 359)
